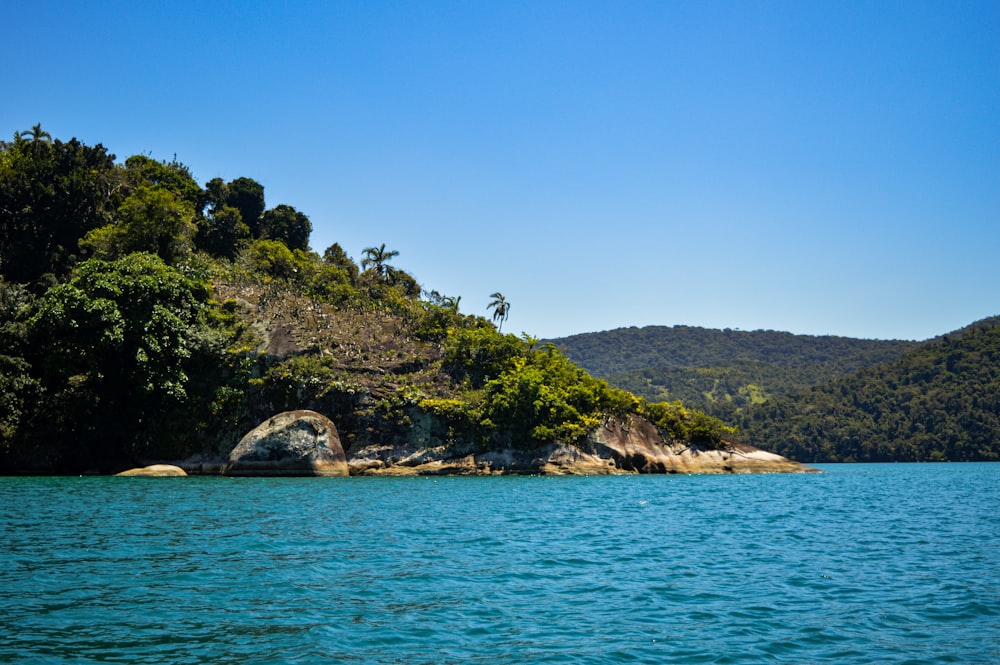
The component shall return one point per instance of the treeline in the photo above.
(939, 402)
(143, 316)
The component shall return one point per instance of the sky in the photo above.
(812, 167)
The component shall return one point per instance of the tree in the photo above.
(112, 347)
(335, 256)
(223, 233)
(449, 303)
(376, 259)
(288, 225)
(215, 196)
(500, 307)
(37, 135)
(19, 390)
(273, 258)
(221, 229)
(247, 196)
(172, 176)
(51, 195)
(151, 220)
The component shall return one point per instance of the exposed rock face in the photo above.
(637, 446)
(633, 446)
(155, 471)
(294, 443)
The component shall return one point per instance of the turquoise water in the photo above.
(861, 564)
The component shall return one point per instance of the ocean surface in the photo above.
(863, 563)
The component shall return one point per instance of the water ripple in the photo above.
(862, 564)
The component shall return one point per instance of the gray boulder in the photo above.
(294, 443)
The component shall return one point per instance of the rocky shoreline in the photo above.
(306, 443)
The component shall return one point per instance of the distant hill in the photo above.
(722, 371)
(940, 401)
(818, 399)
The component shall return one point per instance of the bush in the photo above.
(682, 424)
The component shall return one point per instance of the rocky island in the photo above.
(146, 319)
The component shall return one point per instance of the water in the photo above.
(861, 564)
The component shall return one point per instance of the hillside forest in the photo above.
(145, 316)
(819, 398)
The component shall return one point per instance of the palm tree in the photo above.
(36, 134)
(500, 307)
(376, 258)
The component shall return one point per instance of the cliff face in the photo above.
(631, 447)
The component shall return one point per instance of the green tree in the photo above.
(542, 397)
(247, 196)
(335, 256)
(288, 225)
(112, 348)
(152, 220)
(274, 259)
(449, 303)
(19, 390)
(479, 354)
(37, 135)
(500, 307)
(376, 259)
(214, 196)
(51, 195)
(222, 232)
(172, 176)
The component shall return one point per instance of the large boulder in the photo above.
(294, 443)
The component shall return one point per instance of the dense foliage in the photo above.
(819, 399)
(940, 401)
(703, 366)
(143, 317)
(722, 371)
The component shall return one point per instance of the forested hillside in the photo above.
(721, 371)
(145, 316)
(941, 401)
(819, 399)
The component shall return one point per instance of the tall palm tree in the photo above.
(36, 134)
(376, 258)
(500, 307)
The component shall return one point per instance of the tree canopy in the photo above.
(51, 194)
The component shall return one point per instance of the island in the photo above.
(148, 320)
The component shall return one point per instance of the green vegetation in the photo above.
(819, 399)
(722, 371)
(145, 317)
(940, 401)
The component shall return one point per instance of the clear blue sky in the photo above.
(815, 167)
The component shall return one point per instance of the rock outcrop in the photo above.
(294, 443)
(616, 447)
(637, 446)
(155, 471)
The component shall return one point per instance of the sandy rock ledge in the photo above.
(155, 471)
